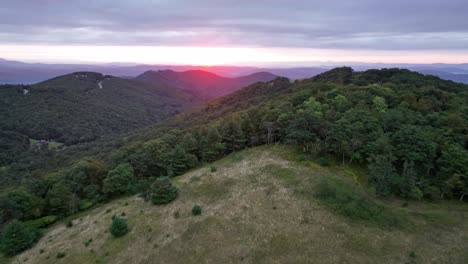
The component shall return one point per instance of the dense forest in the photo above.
(409, 130)
(82, 107)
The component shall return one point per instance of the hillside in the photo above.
(404, 135)
(261, 206)
(207, 84)
(83, 106)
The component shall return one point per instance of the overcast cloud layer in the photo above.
(330, 24)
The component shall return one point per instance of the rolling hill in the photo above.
(83, 106)
(206, 84)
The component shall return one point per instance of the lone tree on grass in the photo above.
(119, 227)
(163, 191)
(18, 236)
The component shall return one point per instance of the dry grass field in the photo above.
(260, 206)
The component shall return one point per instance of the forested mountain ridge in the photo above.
(408, 131)
(83, 106)
(206, 84)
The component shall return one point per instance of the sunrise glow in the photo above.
(220, 55)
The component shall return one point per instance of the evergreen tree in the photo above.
(180, 161)
(213, 147)
(16, 237)
(233, 136)
(16, 204)
(382, 174)
(163, 191)
(119, 180)
(61, 200)
(190, 144)
(119, 227)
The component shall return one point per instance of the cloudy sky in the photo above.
(239, 32)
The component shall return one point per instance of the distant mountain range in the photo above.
(15, 72)
(205, 84)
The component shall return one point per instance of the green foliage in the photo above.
(212, 146)
(86, 204)
(60, 255)
(43, 221)
(379, 104)
(18, 236)
(163, 191)
(69, 224)
(13, 144)
(232, 134)
(213, 168)
(351, 203)
(119, 180)
(61, 200)
(180, 161)
(196, 210)
(16, 204)
(55, 109)
(341, 75)
(119, 227)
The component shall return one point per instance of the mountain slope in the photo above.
(399, 136)
(83, 106)
(258, 207)
(207, 84)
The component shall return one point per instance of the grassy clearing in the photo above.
(354, 204)
(262, 205)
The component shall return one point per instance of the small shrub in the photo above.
(412, 254)
(123, 214)
(163, 191)
(196, 210)
(41, 251)
(18, 236)
(213, 169)
(108, 210)
(119, 227)
(60, 255)
(69, 223)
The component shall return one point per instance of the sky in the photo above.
(237, 32)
